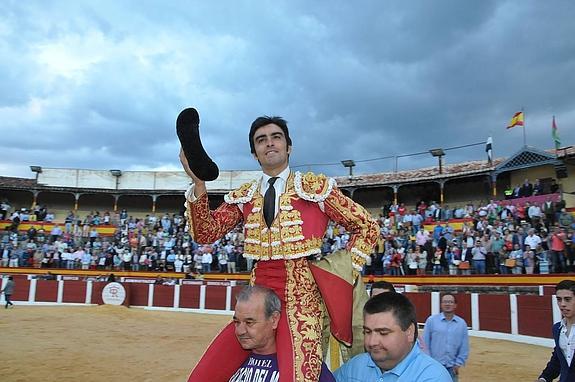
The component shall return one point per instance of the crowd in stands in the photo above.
(493, 238)
(158, 244)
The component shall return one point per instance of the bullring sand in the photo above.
(109, 343)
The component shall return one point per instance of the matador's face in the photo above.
(271, 149)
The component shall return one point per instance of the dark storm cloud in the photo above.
(100, 86)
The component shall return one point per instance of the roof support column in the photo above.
(76, 198)
(154, 198)
(116, 197)
(493, 179)
(35, 199)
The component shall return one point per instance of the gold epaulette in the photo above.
(312, 187)
(243, 194)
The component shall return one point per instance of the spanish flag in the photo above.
(517, 120)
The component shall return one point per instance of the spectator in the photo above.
(528, 260)
(56, 232)
(532, 240)
(8, 290)
(412, 259)
(4, 209)
(446, 337)
(15, 222)
(222, 260)
(422, 260)
(478, 254)
(390, 338)
(207, 260)
(232, 259)
(93, 235)
(517, 255)
(437, 261)
(198, 261)
(85, 258)
(558, 239)
(381, 287)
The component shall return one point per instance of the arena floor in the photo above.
(108, 343)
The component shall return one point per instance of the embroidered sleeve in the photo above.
(363, 229)
(207, 226)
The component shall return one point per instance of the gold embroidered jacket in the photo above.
(305, 208)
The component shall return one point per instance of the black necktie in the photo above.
(270, 202)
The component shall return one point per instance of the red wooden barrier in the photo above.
(138, 294)
(163, 296)
(46, 291)
(74, 292)
(190, 296)
(422, 302)
(97, 292)
(21, 288)
(495, 313)
(216, 297)
(535, 315)
(464, 307)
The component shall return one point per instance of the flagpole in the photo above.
(555, 135)
(524, 125)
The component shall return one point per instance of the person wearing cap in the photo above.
(285, 216)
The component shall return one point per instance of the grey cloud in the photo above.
(355, 80)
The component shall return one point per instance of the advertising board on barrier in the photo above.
(219, 283)
(191, 282)
(140, 281)
(114, 294)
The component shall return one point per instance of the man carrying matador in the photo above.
(285, 215)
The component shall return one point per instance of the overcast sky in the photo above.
(99, 84)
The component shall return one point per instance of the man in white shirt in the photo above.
(534, 213)
(532, 240)
(206, 262)
(561, 363)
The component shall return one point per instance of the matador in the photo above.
(303, 205)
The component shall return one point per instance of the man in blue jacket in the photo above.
(561, 363)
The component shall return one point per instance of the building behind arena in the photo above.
(146, 192)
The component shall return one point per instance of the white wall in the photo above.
(138, 180)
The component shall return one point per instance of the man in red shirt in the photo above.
(558, 250)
